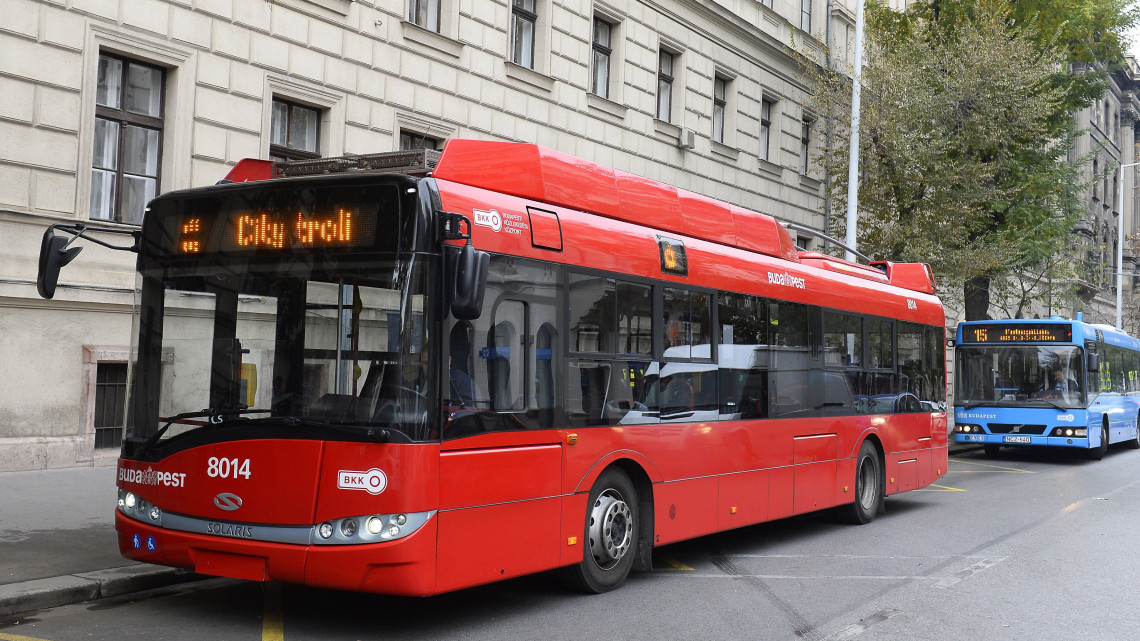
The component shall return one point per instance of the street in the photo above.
(1027, 545)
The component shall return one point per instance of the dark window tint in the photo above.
(685, 316)
(635, 318)
(743, 319)
(591, 313)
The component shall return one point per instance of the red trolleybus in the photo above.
(413, 373)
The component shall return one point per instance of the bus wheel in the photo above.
(991, 450)
(1097, 453)
(611, 535)
(1134, 444)
(868, 487)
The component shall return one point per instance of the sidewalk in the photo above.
(58, 542)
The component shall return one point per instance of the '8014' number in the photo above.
(227, 468)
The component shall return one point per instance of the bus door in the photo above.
(500, 475)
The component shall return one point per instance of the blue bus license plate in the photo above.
(1018, 439)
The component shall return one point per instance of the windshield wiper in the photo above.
(217, 417)
(371, 432)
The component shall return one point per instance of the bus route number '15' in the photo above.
(227, 468)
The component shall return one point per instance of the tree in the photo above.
(964, 143)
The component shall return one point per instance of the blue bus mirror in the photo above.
(54, 254)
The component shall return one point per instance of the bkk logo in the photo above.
(1065, 418)
(373, 481)
(490, 219)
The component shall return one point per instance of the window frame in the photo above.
(519, 13)
(719, 108)
(415, 7)
(665, 81)
(123, 118)
(766, 108)
(600, 50)
(806, 124)
(293, 153)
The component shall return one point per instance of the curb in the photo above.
(85, 586)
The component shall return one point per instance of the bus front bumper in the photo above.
(1022, 440)
(402, 567)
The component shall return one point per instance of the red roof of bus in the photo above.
(537, 173)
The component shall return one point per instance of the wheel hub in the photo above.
(611, 529)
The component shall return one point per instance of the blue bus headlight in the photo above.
(966, 428)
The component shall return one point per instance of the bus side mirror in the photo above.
(1093, 361)
(468, 281)
(53, 256)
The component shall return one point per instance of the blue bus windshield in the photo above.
(1021, 375)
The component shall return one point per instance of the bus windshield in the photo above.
(1021, 375)
(321, 343)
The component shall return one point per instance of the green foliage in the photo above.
(964, 141)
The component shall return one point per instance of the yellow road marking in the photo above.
(677, 566)
(272, 622)
(16, 637)
(941, 488)
(992, 468)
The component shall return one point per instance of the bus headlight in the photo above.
(348, 528)
(370, 528)
(136, 507)
(966, 428)
(375, 525)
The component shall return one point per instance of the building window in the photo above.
(805, 15)
(765, 127)
(766, 3)
(665, 86)
(128, 139)
(411, 140)
(294, 131)
(805, 145)
(523, 20)
(425, 13)
(600, 74)
(110, 404)
(720, 100)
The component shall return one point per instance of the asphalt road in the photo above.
(1030, 545)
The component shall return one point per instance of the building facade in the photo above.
(106, 103)
(1109, 137)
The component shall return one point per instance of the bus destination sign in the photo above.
(275, 230)
(1018, 333)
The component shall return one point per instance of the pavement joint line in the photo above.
(51, 592)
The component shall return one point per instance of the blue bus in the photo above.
(1046, 382)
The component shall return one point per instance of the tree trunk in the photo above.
(976, 293)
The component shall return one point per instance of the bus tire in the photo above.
(1134, 444)
(1097, 453)
(991, 450)
(868, 487)
(611, 535)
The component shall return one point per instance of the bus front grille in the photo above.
(1017, 428)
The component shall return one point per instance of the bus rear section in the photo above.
(1052, 383)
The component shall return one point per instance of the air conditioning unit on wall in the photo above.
(687, 139)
